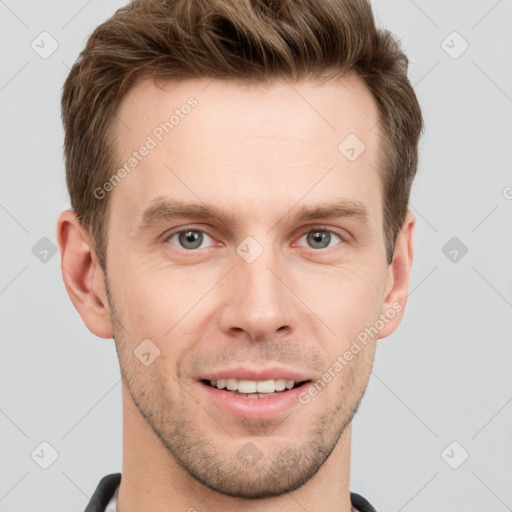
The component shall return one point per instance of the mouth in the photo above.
(253, 388)
(253, 400)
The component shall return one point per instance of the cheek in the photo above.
(151, 301)
(346, 299)
(156, 300)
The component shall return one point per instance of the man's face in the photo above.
(271, 289)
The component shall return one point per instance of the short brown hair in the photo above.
(247, 40)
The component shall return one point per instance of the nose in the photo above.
(258, 301)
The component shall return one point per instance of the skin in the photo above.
(258, 154)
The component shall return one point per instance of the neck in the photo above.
(153, 480)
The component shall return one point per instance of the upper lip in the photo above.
(267, 373)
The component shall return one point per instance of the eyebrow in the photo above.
(163, 209)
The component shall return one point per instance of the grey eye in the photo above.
(320, 238)
(189, 239)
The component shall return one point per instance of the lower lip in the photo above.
(254, 408)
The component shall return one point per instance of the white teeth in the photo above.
(280, 384)
(247, 386)
(253, 386)
(265, 386)
(232, 384)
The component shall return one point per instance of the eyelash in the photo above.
(314, 228)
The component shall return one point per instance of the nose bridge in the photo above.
(259, 302)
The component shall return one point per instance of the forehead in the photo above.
(277, 108)
(236, 144)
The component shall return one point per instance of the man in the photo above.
(239, 174)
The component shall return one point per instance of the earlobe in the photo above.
(82, 275)
(399, 271)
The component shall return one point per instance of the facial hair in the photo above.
(260, 463)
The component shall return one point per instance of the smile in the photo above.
(254, 388)
(252, 399)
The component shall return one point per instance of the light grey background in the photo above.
(443, 377)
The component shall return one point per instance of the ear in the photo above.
(82, 274)
(399, 271)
